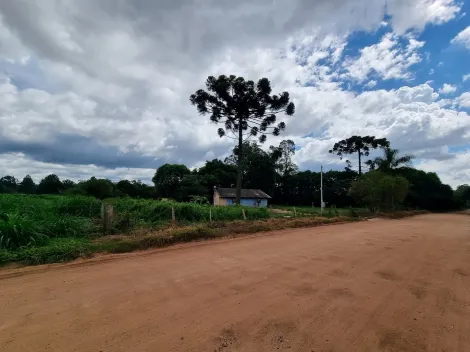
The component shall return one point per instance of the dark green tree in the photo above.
(127, 188)
(360, 145)
(8, 184)
(168, 178)
(98, 188)
(68, 184)
(427, 191)
(259, 167)
(190, 186)
(50, 185)
(245, 108)
(462, 195)
(27, 186)
(143, 190)
(379, 191)
(283, 154)
(216, 173)
(390, 161)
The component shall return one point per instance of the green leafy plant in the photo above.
(17, 231)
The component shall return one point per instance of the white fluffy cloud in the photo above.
(388, 59)
(421, 12)
(371, 84)
(466, 77)
(102, 87)
(447, 89)
(463, 38)
(456, 174)
(464, 100)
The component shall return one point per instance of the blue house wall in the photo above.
(249, 202)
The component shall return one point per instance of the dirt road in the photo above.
(384, 285)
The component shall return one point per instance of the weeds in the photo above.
(46, 229)
(151, 211)
(19, 231)
(57, 250)
(31, 220)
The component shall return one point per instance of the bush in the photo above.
(18, 231)
(377, 190)
(79, 206)
(32, 219)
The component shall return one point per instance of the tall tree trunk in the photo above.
(360, 166)
(239, 164)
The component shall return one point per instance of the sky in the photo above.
(101, 88)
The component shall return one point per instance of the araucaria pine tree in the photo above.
(245, 108)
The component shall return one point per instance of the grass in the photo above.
(33, 220)
(27, 221)
(56, 250)
(66, 249)
(327, 212)
(46, 229)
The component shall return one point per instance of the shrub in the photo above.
(18, 231)
(79, 206)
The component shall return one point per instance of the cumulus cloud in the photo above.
(456, 175)
(370, 84)
(421, 12)
(463, 38)
(447, 89)
(389, 59)
(102, 87)
(466, 77)
(464, 100)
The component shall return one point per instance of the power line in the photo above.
(407, 134)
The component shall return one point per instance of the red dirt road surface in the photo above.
(384, 285)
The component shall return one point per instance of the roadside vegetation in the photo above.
(48, 229)
(37, 229)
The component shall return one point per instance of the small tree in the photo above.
(50, 185)
(246, 109)
(98, 188)
(377, 190)
(8, 184)
(360, 145)
(168, 179)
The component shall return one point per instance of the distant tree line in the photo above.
(390, 182)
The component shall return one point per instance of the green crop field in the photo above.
(49, 228)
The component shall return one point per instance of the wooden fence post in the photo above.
(107, 214)
(244, 215)
(210, 215)
(173, 217)
(295, 212)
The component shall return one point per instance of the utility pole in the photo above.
(321, 189)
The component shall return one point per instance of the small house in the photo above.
(249, 198)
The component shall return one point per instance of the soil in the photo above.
(389, 285)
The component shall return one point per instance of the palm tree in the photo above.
(390, 161)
